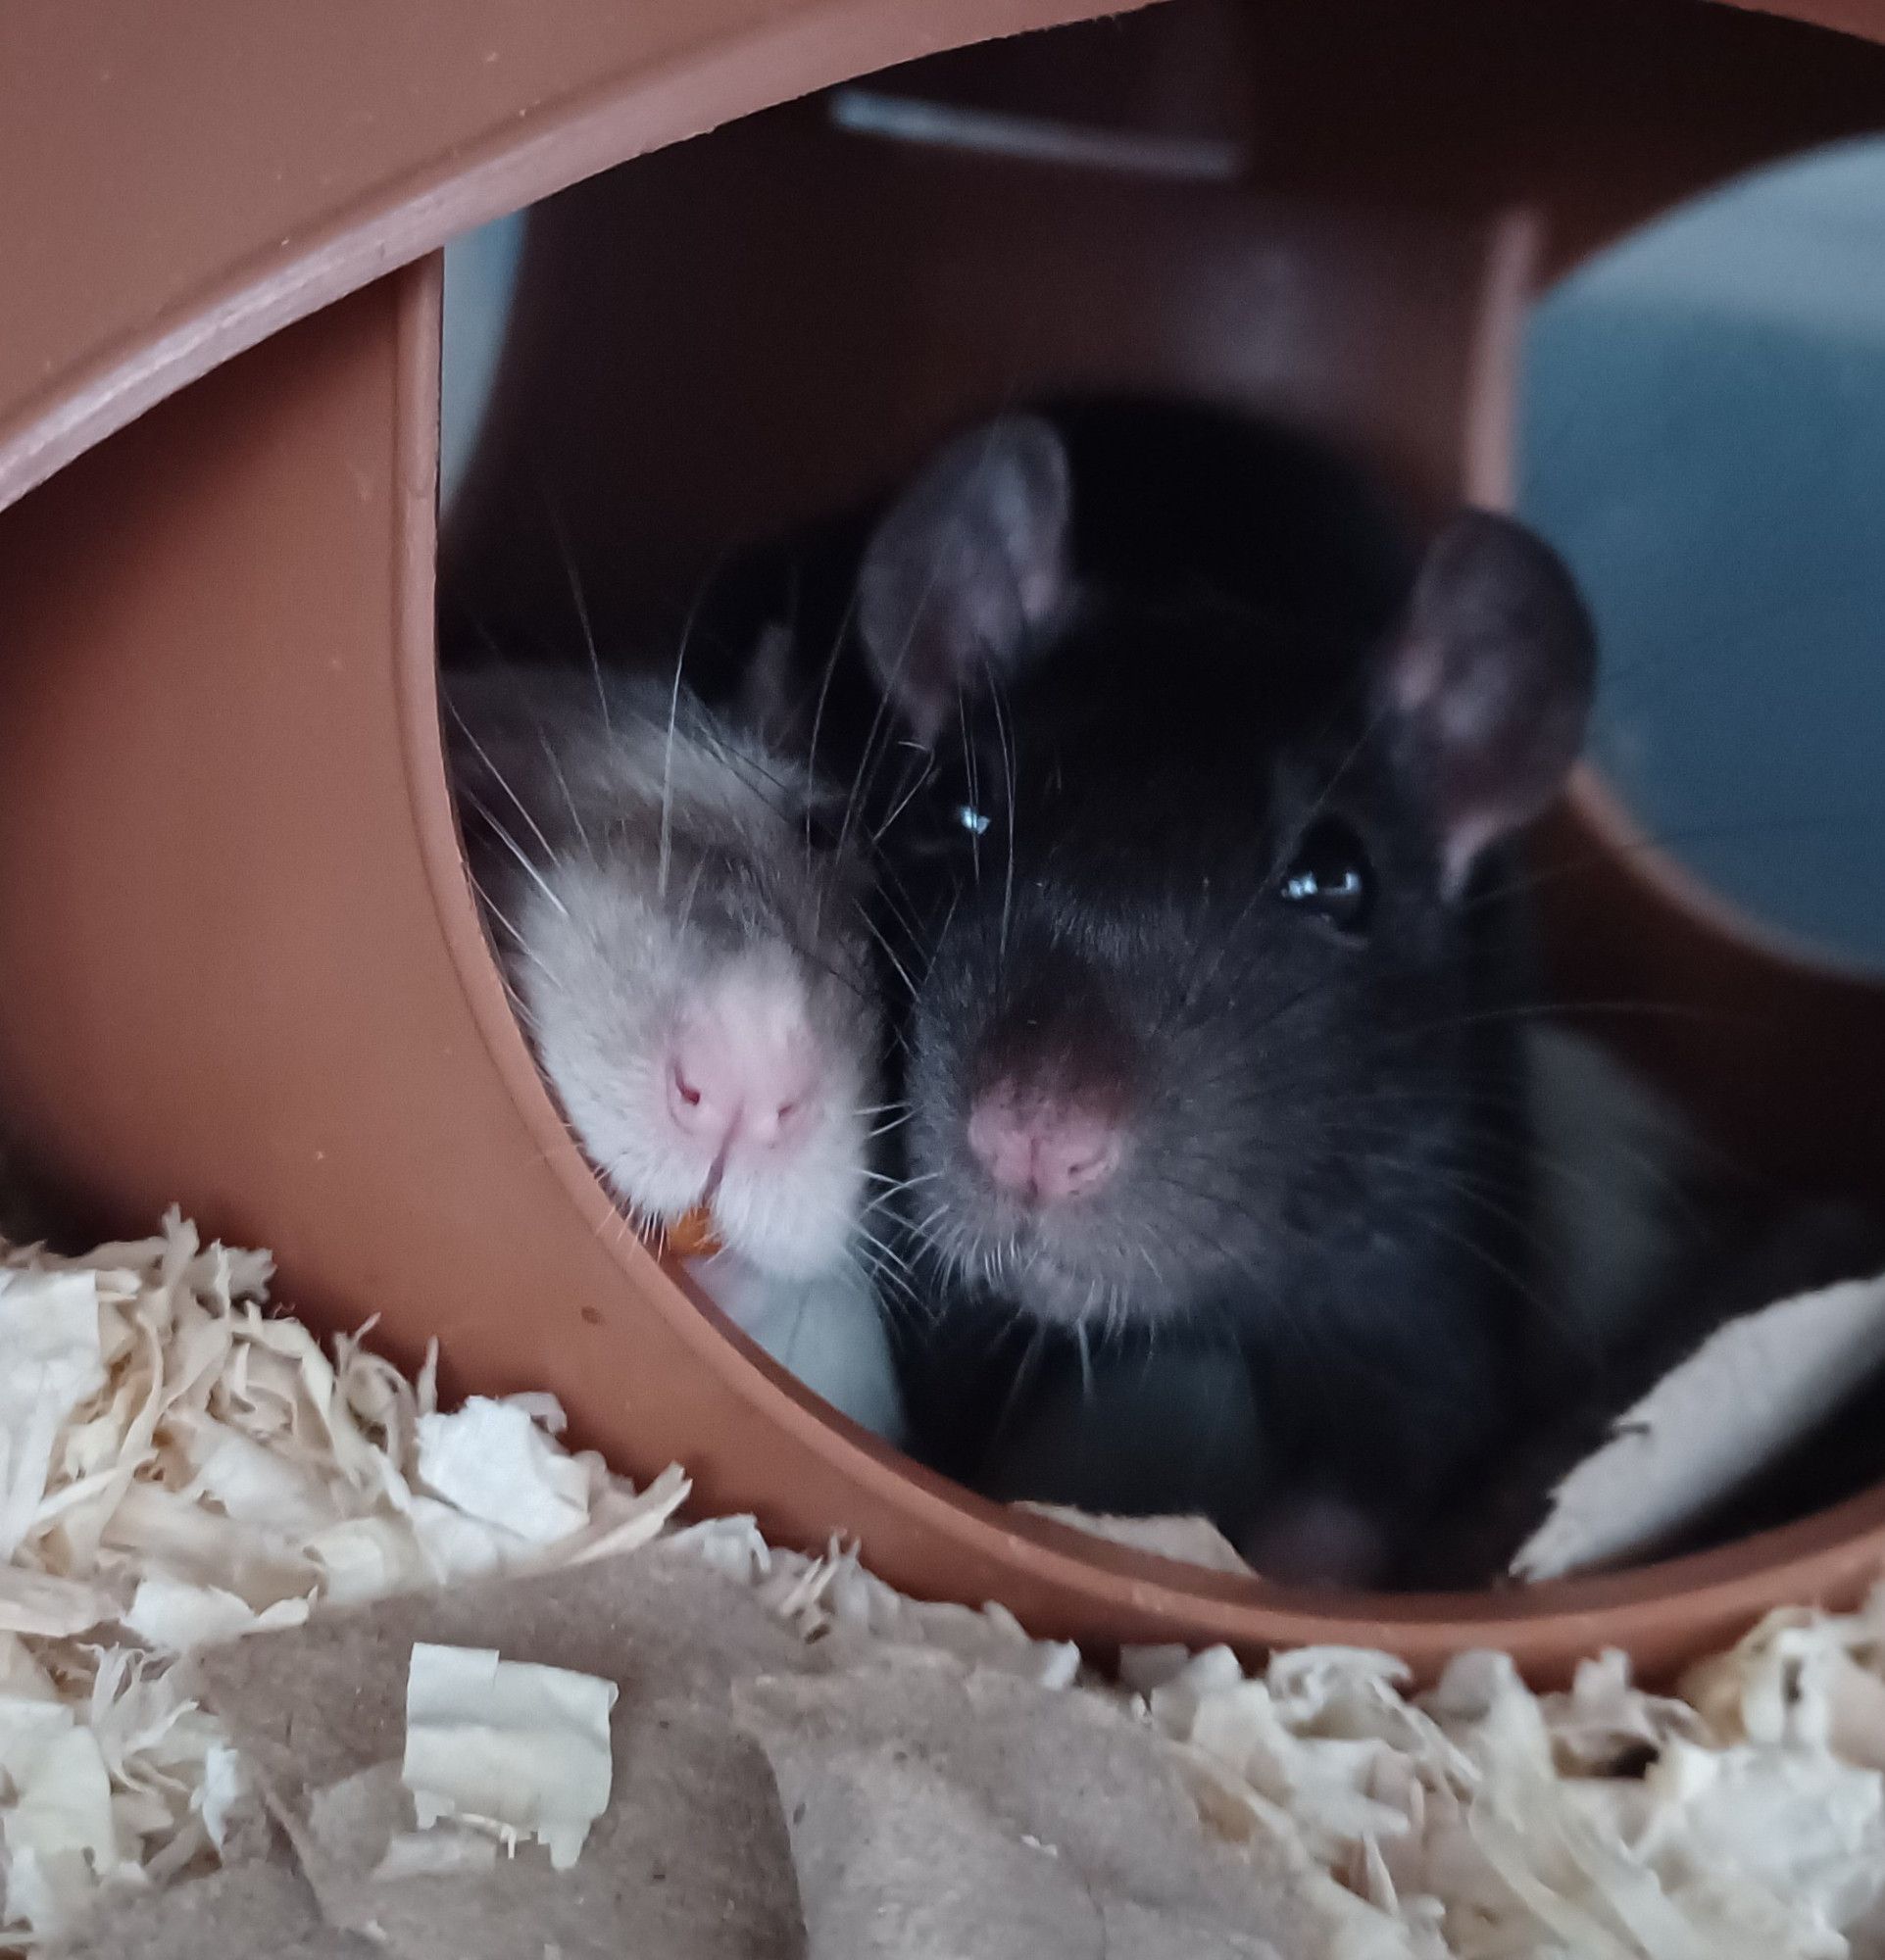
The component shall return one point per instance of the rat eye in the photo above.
(937, 818)
(1330, 876)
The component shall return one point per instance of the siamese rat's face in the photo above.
(688, 952)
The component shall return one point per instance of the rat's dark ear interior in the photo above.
(967, 567)
(1491, 676)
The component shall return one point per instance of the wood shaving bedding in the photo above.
(178, 1469)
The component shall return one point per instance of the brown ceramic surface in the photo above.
(239, 961)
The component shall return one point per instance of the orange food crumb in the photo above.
(689, 1237)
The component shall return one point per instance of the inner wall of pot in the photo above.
(724, 339)
(1727, 362)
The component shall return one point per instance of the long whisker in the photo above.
(1007, 746)
(503, 782)
(665, 847)
(517, 851)
(1527, 881)
(902, 971)
(522, 947)
(583, 611)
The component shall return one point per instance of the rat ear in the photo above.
(1491, 675)
(967, 567)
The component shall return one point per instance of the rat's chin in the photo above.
(786, 1232)
(1061, 1295)
(1064, 1267)
(1058, 1288)
(785, 1256)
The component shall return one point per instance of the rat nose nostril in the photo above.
(743, 1075)
(766, 1126)
(1042, 1149)
(694, 1111)
(1083, 1163)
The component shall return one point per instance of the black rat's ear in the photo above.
(1491, 675)
(967, 567)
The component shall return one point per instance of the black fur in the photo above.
(1082, 868)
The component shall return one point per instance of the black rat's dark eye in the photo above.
(943, 820)
(1330, 876)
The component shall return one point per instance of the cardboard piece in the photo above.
(772, 1799)
(938, 1812)
(691, 1854)
(258, 1909)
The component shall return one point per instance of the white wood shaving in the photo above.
(50, 1335)
(490, 1460)
(507, 1746)
(176, 1469)
(206, 1469)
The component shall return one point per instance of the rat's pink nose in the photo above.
(740, 1079)
(1043, 1149)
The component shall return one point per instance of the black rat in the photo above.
(1191, 784)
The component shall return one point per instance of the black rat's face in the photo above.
(1187, 1014)
(1194, 1017)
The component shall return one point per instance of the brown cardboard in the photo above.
(936, 1812)
(690, 1856)
(260, 1908)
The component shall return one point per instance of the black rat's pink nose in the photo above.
(1044, 1149)
(736, 1077)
